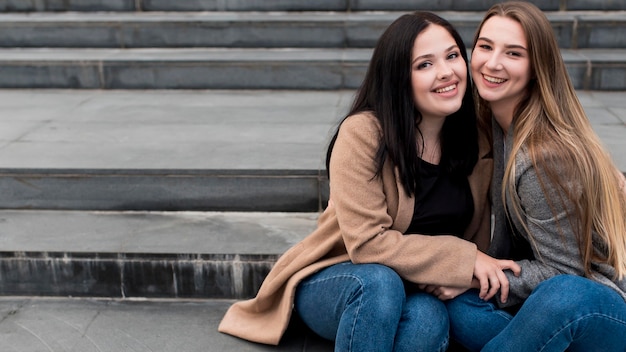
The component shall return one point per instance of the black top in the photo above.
(443, 204)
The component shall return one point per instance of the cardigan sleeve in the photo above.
(366, 225)
(552, 236)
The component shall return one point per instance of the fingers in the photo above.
(511, 265)
(491, 277)
(493, 287)
(497, 282)
(503, 281)
(433, 290)
(484, 287)
(484, 271)
(451, 292)
(504, 287)
(428, 288)
(443, 293)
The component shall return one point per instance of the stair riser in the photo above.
(182, 75)
(128, 276)
(320, 75)
(287, 193)
(573, 32)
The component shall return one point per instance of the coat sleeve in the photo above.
(366, 225)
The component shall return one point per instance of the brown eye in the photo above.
(424, 65)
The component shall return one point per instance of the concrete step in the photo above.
(287, 5)
(238, 68)
(138, 255)
(574, 29)
(37, 324)
(166, 150)
(199, 150)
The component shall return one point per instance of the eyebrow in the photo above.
(431, 55)
(508, 46)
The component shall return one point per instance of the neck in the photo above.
(503, 114)
(428, 143)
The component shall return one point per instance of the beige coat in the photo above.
(364, 223)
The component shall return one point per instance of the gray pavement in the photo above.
(86, 325)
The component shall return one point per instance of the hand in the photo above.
(443, 292)
(489, 273)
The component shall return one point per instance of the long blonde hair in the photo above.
(550, 124)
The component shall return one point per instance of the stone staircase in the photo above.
(156, 149)
(163, 154)
(257, 45)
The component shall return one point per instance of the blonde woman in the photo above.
(558, 200)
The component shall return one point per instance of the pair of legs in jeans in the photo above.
(565, 312)
(367, 307)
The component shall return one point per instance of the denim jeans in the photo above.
(366, 307)
(565, 312)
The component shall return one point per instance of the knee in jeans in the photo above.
(383, 286)
(424, 307)
(382, 278)
(440, 323)
(566, 293)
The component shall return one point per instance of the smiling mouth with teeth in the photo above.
(493, 79)
(446, 89)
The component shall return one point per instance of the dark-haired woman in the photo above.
(408, 208)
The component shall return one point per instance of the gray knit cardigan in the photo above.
(554, 252)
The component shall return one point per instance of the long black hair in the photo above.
(387, 92)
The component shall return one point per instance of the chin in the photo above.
(485, 95)
(454, 109)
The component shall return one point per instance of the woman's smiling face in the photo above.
(438, 73)
(500, 63)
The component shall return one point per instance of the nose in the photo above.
(493, 63)
(445, 71)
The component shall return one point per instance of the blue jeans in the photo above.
(565, 312)
(366, 307)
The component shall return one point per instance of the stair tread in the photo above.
(168, 129)
(74, 234)
(201, 129)
(228, 55)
